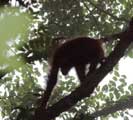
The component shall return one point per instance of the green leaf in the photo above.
(126, 118)
(117, 94)
(124, 76)
(130, 87)
(12, 24)
(115, 78)
(116, 73)
(122, 80)
(130, 54)
(105, 88)
(112, 83)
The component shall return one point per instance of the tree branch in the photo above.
(106, 12)
(4, 2)
(119, 105)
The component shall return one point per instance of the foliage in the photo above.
(20, 88)
(14, 25)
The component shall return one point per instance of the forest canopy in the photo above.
(31, 31)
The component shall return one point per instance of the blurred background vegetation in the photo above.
(28, 29)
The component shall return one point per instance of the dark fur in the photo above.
(76, 53)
